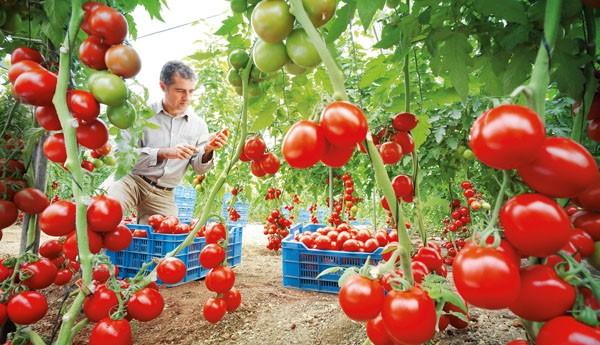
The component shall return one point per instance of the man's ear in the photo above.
(163, 86)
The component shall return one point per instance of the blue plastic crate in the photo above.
(301, 265)
(185, 192)
(142, 250)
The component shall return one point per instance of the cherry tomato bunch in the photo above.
(313, 214)
(277, 228)
(263, 163)
(233, 214)
(273, 193)
(403, 190)
(221, 278)
(168, 225)
(238, 58)
(345, 238)
(395, 141)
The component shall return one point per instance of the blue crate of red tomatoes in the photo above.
(310, 249)
(158, 239)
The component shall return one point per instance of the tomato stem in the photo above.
(540, 77)
(330, 170)
(499, 200)
(34, 338)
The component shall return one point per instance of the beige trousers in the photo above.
(135, 194)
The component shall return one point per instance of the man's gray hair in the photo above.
(172, 67)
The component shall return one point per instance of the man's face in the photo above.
(178, 95)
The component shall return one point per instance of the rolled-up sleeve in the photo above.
(198, 166)
(148, 156)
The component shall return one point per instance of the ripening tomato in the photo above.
(104, 213)
(92, 134)
(21, 67)
(83, 105)
(27, 307)
(51, 249)
(233, 298)
(118, 239)
(404, 122)
(409, 316)
(558, 162)
(254, 148)
(8, 213)
(100, 304)
(272, 20)
(171, 270)
(300, 50)
(214, 309)
(319, 11)
(269, 163)
(535, 224)
(55, 149)
(36, 87)
(109, 331)
(405, 140)
(145, 305)
(25, 53)
(220, 279)
(92, 51)
(343, 124)
(391, 152)
(361, 298)
(566, 330)
(303, 144)
(485, 277)
(123, 61)
(212, 255)
(58, 219)
(508, 136)
(336, 156)
(108, 24)
(540, 284)
(47, 118)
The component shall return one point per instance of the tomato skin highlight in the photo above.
(565, 330)
(171, 270)
(344, 124)
(360, 298)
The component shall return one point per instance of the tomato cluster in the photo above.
(345, 238)
(273, 193)
(332, 141)
(221, 278)
(277, 228)
(263, 163)
(31, 83)
(460, 216)
(238, 59)
(395, 141)
(170, 225)
(233, 214)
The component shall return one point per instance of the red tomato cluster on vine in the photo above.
(345, 238)
(170, 225)
(273, 193)
(277, 227)
(263, 163)
(221, 278)
(395, 141)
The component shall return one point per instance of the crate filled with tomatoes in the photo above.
(158, 239)
(310, 249)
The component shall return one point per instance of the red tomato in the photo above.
(171, 270)
(114, 332)
(8, 213)
(215, 233)
(430, 257)
(58, 219)
(108, 24)
(25, 53)
(535, 225)
(145, 305)
(565, 330)
(371, 245)
(92, 51)
(214, 309)
(212, 255)
(303, 144)
(336, 156)
(377, 333)
(391, 152)
(51, 249)
(323, 242)
(100, 304)
(588, 222)
(70, 246)
(21, 67)
(55, 149)
(351, 245)
(419, 270)
(93, 134)
(220, 279)
(42, 274)
(101, 273)
(63, 277)
(409, 316)
(404, 122)
(507, 137)
(27, 307)
(361, 298)
(594, 130)
(256, 169)
(104, 213)
(557, 163)
(31, 200)
(589, 199)
(155, 220)
(118, 239)
(485, 277)
(269, 163)
(540, 284)
(343, 124)
(233, 298)
(403, 186)
(405, 140)
(47, 118)
(36, 87)
(254, 148)
(583, 242)
(244, 158)
(83, 105)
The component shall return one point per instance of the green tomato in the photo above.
(486, 205)
(319, 11)
(92, 77)
(468, 154)
(269, 57)
(238, 6)
(109, 89)
(594, 260)
(233, 76)
(98, 163)
(238, 58)
(198, 187)
(294, 69)
(300, 50)
(272, 21)
(109, 160)
(254, 90)
(122, 116)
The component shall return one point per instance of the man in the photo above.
(182, 139)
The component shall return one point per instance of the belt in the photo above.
(154, 184)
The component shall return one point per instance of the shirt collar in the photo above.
(158, 108)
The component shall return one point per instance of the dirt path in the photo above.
(270, 314)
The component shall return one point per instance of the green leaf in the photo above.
(153, 7)
(421, 132)
(367, 9)
(517, 34)
(329, 270)
(349, 272)
(265, 118)
(131, 25)
(517, 70)
(229, 25)
(340, 22)
(568, 75)
(511, 10)
(374, 70)
(455, 53)
(390, 35)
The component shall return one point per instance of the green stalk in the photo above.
(540, 77)
(417, 201)
(374, 205)
(73, 164)
(330, 190)
(497, 205)
(578, 124)
(31, 231)
(335, 74)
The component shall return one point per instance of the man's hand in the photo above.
(217, 141)
(181, 151)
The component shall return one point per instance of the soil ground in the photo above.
(270, 313)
